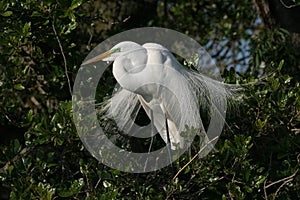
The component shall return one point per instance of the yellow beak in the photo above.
(98, 58)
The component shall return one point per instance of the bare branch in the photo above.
(22, 153)
(284, 179)
(265, 191)
(195, 156)
(287, 6)
(64, 57)
(284, 183)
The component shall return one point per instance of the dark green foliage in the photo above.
(42, 44)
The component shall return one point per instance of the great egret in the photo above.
(171, 95)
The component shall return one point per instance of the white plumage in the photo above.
(150, 76)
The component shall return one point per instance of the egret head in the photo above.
(119, 49)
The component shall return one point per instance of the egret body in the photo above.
(171, 95)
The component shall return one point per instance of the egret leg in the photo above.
(152, 130)
(167, 130)
(168, 138)
(152, 134)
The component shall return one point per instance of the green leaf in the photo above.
(7, 14)
(288, 79)
(30, 115)
(19, 87)
(26, 27)
(16, 145)
(223, 197)
(35, 14)
(106, 184)
(73, 189)
(10, 169)
(280, 65)
(75, 4)
(260, 180)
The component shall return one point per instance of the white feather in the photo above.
(151, 77)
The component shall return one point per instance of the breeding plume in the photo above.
(171, 94)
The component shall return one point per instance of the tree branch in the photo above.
(64, 57)
(22, 153)
(195, 156)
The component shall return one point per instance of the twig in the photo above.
(64, 57)
(206, 186)
(97, 183)
(22, 153)
(91, 37)
(284, 183)
(265, 191)
(287, 6)
(284, 179)
(195, 156)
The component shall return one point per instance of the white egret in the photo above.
(171, 95)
